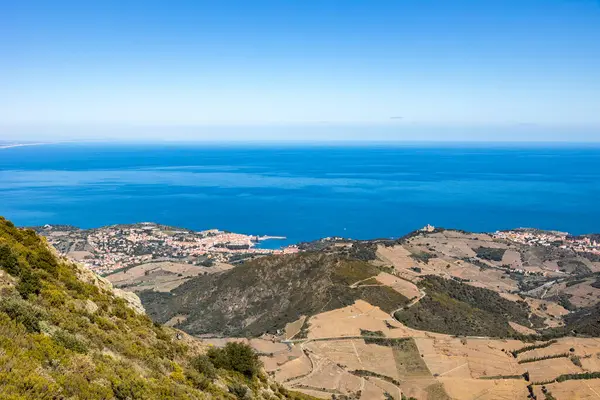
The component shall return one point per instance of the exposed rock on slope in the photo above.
(265, 294)
(87, 276)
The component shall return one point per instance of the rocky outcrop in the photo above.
(88, 276)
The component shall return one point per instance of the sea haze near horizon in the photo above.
(304, 192)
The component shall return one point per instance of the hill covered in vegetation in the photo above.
(263, 295)
(65, 334)
(460, 309)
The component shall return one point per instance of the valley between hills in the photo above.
(437, 314)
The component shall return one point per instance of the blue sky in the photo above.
(407, 70)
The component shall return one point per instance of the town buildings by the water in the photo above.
(563, 240)
(110, 248)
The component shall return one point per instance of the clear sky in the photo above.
(419, 69)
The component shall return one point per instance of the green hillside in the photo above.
(65, 334)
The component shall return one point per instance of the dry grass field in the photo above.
(160, 276)
(423, 365)
(579, 390)
(582, 294)
(471, 389)
(402, 286)
(293, 328)
(550, 311)
(399, 257)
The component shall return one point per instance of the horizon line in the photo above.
(14, 144)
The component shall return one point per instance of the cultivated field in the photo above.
(404, 265)
(360, 349)
(160, 276)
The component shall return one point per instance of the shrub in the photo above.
(42, 258)
(69, 341)
(8, 260)
(197, 380)
(240, 391)
(29, 284)
(236, 356)
(23, 312)
(125, 389)
(204, 365)
(54, 297)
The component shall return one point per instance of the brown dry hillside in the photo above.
(263, 295)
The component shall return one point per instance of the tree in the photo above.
(236, 356)
(8, 260)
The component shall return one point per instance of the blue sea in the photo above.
(304, 192)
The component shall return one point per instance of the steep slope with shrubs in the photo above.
(65, 334)
(263, 295)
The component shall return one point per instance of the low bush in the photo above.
(23, 312)
(576, 361)
(236, 356)
(69, 341)
(240, 391)
(204, 365)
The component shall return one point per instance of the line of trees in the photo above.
(515, 353)
(548, 357)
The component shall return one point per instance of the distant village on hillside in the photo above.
(535, 237)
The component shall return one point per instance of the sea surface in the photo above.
(304, 192)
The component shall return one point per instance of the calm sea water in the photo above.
(304, 193)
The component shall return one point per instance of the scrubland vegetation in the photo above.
(63, 337)
(490, 253)
(456, 308)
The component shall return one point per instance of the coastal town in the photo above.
(108, 249)
(105, 250)
(563, 240)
